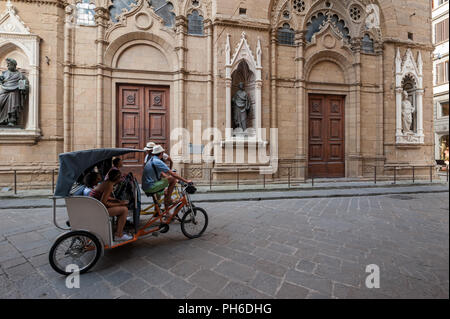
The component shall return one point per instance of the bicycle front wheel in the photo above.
(79, 248)
(194, 222)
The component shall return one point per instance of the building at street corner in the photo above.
(441, 69)
(347, 84)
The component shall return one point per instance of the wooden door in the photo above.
(143, 116)
(326, 136)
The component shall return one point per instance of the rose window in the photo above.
(355, 13)
(299, 5)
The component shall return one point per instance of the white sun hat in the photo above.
(149, 146)
(158, 149)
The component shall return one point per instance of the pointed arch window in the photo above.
(195, 23)
(85, 13)
(320, 20)
(286, 35)
(367, 44)
(315, 25)
(165, 10)
(118, 7)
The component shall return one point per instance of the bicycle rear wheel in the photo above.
(194, 222)
(79, 248)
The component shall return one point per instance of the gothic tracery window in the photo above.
(367, 44)
(320, 20)
(299, 5)
(315, 25)
(118, 7)
(355, 13)
(165, 10)
(195, 23)
(286, 35)
(85, 13)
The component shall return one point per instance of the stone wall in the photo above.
(81, 68)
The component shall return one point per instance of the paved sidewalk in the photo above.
(340, 183)
(326, 190)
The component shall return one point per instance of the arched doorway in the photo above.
(326, 113)
(142, 78)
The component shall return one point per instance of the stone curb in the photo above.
(248, 199)
(265, 190)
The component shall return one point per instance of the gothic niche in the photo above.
(409, 98)
(409, 105)
(243, 97)
(243, 90)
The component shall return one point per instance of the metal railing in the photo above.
(279, 178)
(412, 175)
(15, 172)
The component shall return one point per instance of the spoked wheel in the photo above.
(194, 222)
(79, 248)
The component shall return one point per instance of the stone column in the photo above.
(181, 29)
(398, 114)
(273, 78)
(301, 101)
(101, 17)
(353, 157)
(258, 88)
(419, 99)
(209, 32)
(228, 124)
(68, 27)
(33, 104)
(228, 83)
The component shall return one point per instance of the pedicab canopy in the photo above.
(73, 164)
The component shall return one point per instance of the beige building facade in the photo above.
(329, 75)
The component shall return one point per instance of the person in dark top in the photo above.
(90, 181)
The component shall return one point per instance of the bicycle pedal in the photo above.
(155, 234)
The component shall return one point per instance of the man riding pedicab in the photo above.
(157, 177)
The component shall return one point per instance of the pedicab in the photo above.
(91, 228)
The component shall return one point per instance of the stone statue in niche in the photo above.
(13, 94)
(407, 113)
(241, 106)
(373, 17)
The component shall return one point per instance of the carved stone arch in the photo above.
(159, 58)
(279, 19)
(203, 8)
(11, 45)
(276, 15)
(334, 8)
(331, 56)
(167, 49)
(276, 8)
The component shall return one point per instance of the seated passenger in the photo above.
(90, 181)
(117, 165)
(157, 176)
(115, 207)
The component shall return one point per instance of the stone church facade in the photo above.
(329, 75)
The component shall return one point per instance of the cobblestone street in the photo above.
(298, 248)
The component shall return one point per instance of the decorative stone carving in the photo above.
(15, 36)
(13, 94)
(372, 17)
(407, 113)
(241, 106)
(244, 61)
(409, 98)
